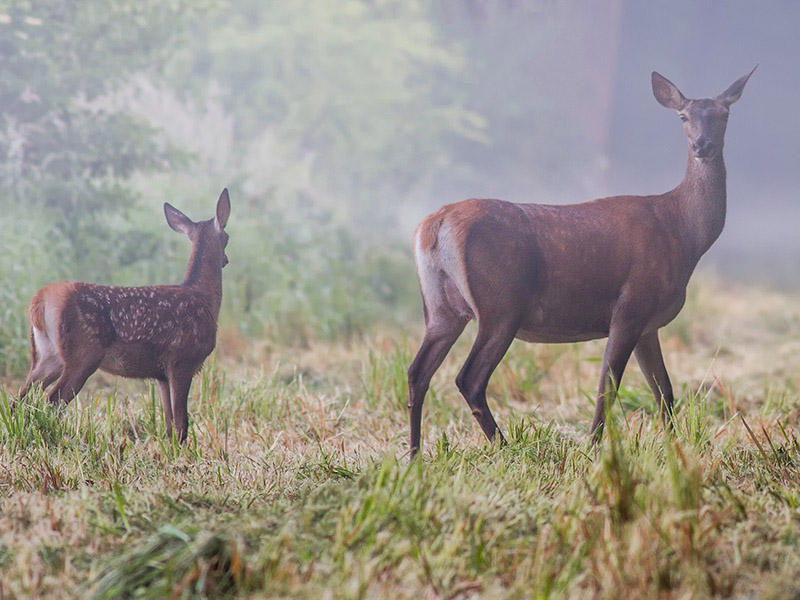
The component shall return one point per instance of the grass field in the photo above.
(295, 483)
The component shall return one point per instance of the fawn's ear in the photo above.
(223, 209)
(667, 93)
(734, 91)
(177, 220)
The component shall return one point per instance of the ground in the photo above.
(295, 480)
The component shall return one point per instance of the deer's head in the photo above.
(704, 120)
(211, 233)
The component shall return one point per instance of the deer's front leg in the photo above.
(166, 404)
(622, 339)
(648, 353)
(180, 381)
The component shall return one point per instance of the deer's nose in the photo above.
(702, 147)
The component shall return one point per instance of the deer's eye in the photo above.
(683, 117)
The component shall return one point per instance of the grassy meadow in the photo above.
(337, 126)
(295, 481)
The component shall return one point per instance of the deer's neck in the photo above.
(702, 199)
(204, 273)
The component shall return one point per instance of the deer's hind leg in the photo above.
(81, 357)
(490, 346)
(73, 378)
(442, 328)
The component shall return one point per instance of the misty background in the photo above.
(338, 125)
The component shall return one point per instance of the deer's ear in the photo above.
(666, 93)
(177, 220)
(734, 92)
(223, 209)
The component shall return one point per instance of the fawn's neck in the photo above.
(204, 272)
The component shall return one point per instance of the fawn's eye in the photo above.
(683, 117)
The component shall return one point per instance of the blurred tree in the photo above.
(347, 88)
(63, 151)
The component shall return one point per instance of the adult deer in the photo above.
(614, 267)
(161, 332)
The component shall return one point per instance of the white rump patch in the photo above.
(446, 262)
(48, 359)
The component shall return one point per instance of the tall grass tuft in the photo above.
(176, 564)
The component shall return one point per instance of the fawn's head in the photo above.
(704, 120)
(210, 233)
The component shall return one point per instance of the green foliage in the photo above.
(349, 86)
(299, 275)
(63, 153)
(25, 263)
